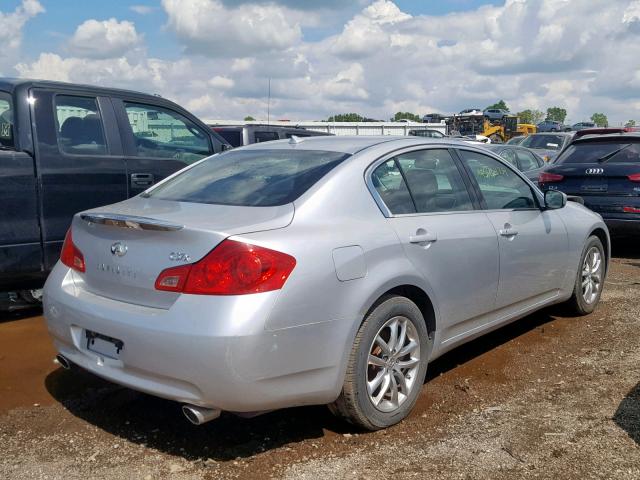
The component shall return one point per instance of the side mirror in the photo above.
(553, 199)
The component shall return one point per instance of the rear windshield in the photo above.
(256, 178)
(601, 152)
(545, 142)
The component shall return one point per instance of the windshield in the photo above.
(544, 142)
(594, 152)
(258, 178)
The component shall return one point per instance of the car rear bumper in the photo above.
(209, 351)
(619, 226)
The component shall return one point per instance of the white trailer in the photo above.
(343, 128)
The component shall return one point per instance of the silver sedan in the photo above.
(326, 270)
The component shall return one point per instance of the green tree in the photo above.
(346, 117)
(500, 104)
(600, 119)
(405, 116)
(630, 123)
(556, 114)
(249, 118)
(530, 116)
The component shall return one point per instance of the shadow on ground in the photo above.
(625, 247)
(159, 423)
(627, 415)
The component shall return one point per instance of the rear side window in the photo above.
(6, 120)
(265, 136)
(253, 178)
(390, 185)
(233, 136)
(162, 133)
(601, 152)
(527, 160)
(434, 181)
(79, 125)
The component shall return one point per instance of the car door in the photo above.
(78, 158)
(451, 243)
(533, 242)
(158, 141)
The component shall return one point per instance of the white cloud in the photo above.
(104, 39)
(580, 55)
(11, 25)
(141, 9)
(211, 29)
(221, 82)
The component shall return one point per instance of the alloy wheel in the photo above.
(592, 275)
(393, 364)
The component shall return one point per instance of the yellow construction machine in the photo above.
(498, 131)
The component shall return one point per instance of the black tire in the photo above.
(354, 404)
(577, 304)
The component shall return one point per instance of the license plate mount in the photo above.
(103, 344)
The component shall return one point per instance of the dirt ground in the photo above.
(545, 397)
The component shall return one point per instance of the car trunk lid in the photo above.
(127, 245)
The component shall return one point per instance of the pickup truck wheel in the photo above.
(387, 366)
(589, 279)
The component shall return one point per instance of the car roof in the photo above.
(635, 136)
(352, 144)
(564, 134)
(11, 84)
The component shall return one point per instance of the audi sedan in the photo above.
(325, 270)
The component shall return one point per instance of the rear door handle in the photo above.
(143, 180)
(508, 231)
(422, 236)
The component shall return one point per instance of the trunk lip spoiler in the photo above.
(129, 221)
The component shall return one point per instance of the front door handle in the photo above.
(422, 236)
(508, 231)
(141, 180)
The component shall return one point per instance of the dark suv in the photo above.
(605, 171)
(66, 148)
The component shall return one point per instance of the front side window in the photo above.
(392, 188)
(79, 125)
(501, 187)
(434, 181)
(6, 121)
(253, 178)
(162, 133)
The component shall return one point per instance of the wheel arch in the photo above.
(604, 238)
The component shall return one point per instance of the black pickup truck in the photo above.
(66, 148)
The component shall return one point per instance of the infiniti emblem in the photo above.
(594, 171)
(119, 249)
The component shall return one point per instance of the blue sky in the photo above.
(374, 57)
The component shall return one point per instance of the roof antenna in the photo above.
(269, 102)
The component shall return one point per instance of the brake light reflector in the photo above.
(546, 177)
(71, 256)
(232, 268)
(634, 177)
(631, 210)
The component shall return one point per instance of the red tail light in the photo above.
(545, 177)
(71, 256)
(635, 177)
(232, 268)
(631, 210)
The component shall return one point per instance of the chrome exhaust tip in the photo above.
(63, 362)
(199, 415)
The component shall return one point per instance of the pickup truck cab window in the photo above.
(162, 133)
(79, 125)
(6, 121)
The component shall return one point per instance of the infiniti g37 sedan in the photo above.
(326, 270)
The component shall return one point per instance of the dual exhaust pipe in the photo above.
(193, 413)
